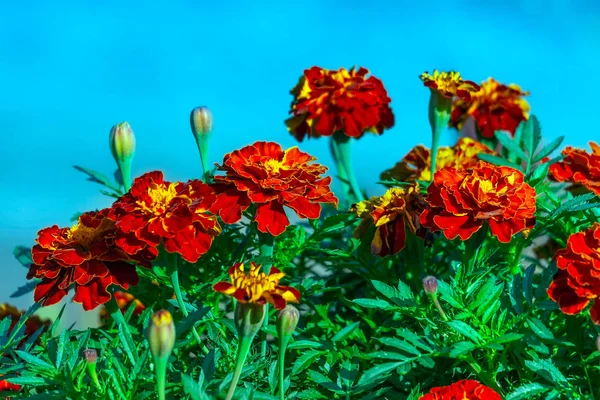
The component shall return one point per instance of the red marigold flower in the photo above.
(344, 100)
(155, 210)
(416, 164)
(257, 287)
(265, 175)
(495, 107)
(6, 386)
(465, 389)
(86, 257)
(578, 280)
(579, 168)
(461, 200)
(124, 300)
(449, 84)
(390, 214)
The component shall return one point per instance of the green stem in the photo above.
(345, 192)
(265, 242)
(483, 376)
(439, 306)
(243, 350)
(435, 144)
(202, 143)
(113, 309)
(161, 379)
(174, 270)
(91, 367)
(125, 169)
(283, 342)
(439, 115)
(343, 144)
(515, 264)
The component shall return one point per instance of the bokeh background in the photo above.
(69, 70)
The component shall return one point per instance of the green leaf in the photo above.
(273, 374)
(447, 294)
(324, 381)
(460, 348)
(577, 203)
(336, 222)
(528, 283)
(511, 145)
(414, 339)
(95, 176)
(186, 324)
(305, 360)
(508, 337)
(304, 344)
(378, 373)
(389, 355)
(26, 288)
(492, 159)
(527, 135)
(23, 255)
(60, 348)
(386, 290)
(527, 391)
(548, 149)
(400, 344)
(35, 361)
(28, 380)
(465, 330)
(345, 332)
(127, 343)
(191, 387)
(547, 370)
(373, 303)
(539, 329)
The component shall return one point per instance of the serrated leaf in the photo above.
(447, 294)
(372, 303)
(191, 387)
(528, 283)
(336, 222)
(527, 135)
(127, 343)
(547, 370)
(414, 339)
(26, 288)
(511, 145)
(23, 255)
(539, 329)
(389, 355)
(345, 332)
(378, 373)
(492, 159)
(539, 175)
(576, 202)
(460, 348)
(465, 330)
(60, 348)
(548, 149)
(401, 345)
(186, 324)
(508, 337)
(304, 344)
(33, 360)
(324, 381)
(273, 374)
(527, 391)
(305, 360)
(28, 380)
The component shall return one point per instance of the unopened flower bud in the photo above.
(430, 284)
(598, 343)
(249, 318)
(90, 356)
(161, 334)
(122, 142)
(287, 320)
(201, 121)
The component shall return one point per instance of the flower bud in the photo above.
(598, 343)
(287, 319)
(90, 356)
(430, 284)
(161, 334)
(249, 318)
(201, 121)
(122, 142)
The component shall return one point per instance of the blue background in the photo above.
(69, 70)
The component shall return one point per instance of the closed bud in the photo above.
(249, 318)
(287, 320)
(430, 284)
(90, 356)
(202, 121)
(161, 334)
(122, 142)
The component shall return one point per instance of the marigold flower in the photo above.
(124, 300)
(577, 283)
(256, 287)
(416, 164)
(344, 100)
(6, 386)
(579, 168)
(462, 200)
(449, 84)
(390, 214)
(465, 389)
(495, 107)
(86, 257)
(271, 178)
(175, 213)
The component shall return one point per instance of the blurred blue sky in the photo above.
(69, 70)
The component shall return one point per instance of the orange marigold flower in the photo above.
(344, 100)
(265, 175)
(449, 84)
(416, 165)
(124, 300)
(579, 168)
(390, 214)
(86, 257)
(257, 287)
(461, 200)
(465, 389)
(578, 280)
(155, 210)
(495, 107)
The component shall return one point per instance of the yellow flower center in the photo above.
(273, 166)
(85, 235)
(161, 198)
(162, 318)
(255, 282)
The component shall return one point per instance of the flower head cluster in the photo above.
(416, 164)
(344, 100)
(256, 287)
(391, 213)
(579, 168)
(449, 84)
(174, 213)
(465, 389)
(495, 107)
(84, 256)
(460, 201)
(577, 282)
(265, 175)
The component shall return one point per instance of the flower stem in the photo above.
(161, 372)
(435, 144)
(265, 242)
(91, 367)
(439, 115)
(202, 143)
(113, 309)
(346, 192)
(439, 306)
(283, 342)
(343, 146)
(243, 350)
(515, 264)
(125, 169)
(174, 270)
